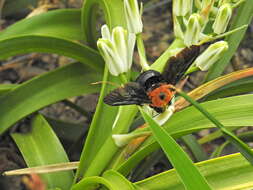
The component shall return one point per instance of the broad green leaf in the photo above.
(233, 111)
(188, 173)
(62, 23)
(117, 180)
(217, 85)
(90, 183)
(37, 43)
(230, 136)
(6, 88)
(228, 172)
(244, 85)
(225, 110)
(68, 81)
(40, 147)
(112, 180)
(243, 16)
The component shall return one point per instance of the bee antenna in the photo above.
(106, 82)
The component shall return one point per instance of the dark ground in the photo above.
(157, 36)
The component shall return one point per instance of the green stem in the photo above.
(237, 4)
(123, 78)
(238, 143)
(210, 39)
(159, 64)
(141, 51)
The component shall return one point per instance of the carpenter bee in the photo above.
(152, 87)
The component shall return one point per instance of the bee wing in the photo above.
(131, 93)
(178, 65)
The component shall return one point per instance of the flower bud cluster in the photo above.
(117, 49)
(190, 26)
(117, 46)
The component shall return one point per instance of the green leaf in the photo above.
(228, 172)
(68, 81)
(100, 129)
(117, 180)
(36, 43)
(241, 86)
(90, 183)
(113, 13)
(243, 16)
(36, 152)
(189, 174)
(195, 148)
(6, 88)
(104, 155)
(111, 179)
(217, 85)
(233, 111)
(215, 135)
(238, 143)
(61, 23)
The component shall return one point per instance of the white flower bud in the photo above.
(198, 4)
(133, 16)
(122, 139)
(117, 49)
(177, 28)
(182, 7)
(222, 19)
(193, 30)
(211, 55)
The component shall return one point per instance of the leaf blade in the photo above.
(62, 23)
(45, 44)
(46, 89)
(189, 174)
(46, 153)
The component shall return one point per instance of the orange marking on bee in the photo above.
(161, 96)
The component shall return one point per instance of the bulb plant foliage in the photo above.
(119, 138)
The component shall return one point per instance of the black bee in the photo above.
(152, 87)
